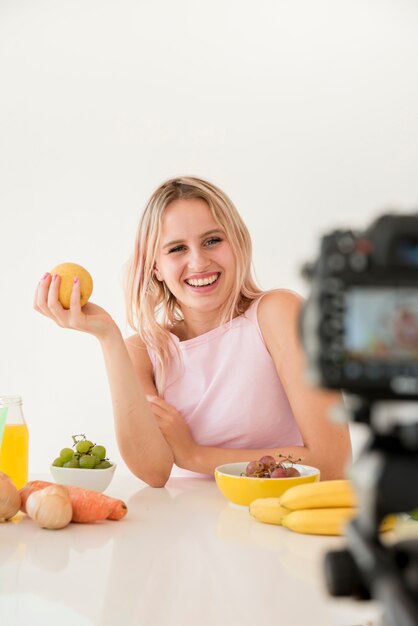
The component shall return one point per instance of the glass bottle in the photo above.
(14, 444)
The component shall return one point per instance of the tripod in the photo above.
(385, 478)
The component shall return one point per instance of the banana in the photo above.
(319, 521)
(330, 521)
(268, 510)
(388, 523)
(320, 495)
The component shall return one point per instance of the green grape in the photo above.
(103, 465)
(99, 451)
(96, 460)
(72, 463)
(87, 461)
(84, 446)
(58, 462)
(66, 454)
(414, 514)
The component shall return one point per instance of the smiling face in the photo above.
(194, 257)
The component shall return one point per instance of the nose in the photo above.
(198, 260)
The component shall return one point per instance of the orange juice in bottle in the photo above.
(14, 444)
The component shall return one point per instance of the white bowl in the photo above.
(95, 479)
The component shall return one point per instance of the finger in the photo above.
(157, 401)
(76, 314)
(54, 305)
(162, 425)
(163, 410)
(159, 412)
(75, 298)
(41, 294)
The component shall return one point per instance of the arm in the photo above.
(326, 445)
(142, 446)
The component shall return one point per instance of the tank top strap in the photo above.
(251, 314)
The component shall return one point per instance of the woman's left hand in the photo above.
(174, 429)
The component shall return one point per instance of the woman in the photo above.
(215, 371)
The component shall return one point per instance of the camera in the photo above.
(360, 324)
(359, 330)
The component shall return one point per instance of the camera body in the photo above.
(359, 325)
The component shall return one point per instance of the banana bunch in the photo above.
(321, 508)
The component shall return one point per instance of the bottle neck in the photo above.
(9, 401)
(11, 410)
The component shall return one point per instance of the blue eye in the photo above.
(212, 241)
(176, 249)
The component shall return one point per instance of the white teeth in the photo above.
(200, 282)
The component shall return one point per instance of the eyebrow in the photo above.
(202, 236)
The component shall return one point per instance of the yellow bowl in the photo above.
(242, 490)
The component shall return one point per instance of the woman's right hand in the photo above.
(89, 319)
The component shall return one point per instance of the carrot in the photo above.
(88, 506)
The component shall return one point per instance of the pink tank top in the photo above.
(228, 389)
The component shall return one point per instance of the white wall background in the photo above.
(305, 112)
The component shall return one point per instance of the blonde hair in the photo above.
(151, 308)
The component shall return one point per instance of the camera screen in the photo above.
(381, 323)
(407, 251)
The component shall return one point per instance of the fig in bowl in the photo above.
(241, 483)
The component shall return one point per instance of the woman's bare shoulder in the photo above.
(278, 316)
(279, 301)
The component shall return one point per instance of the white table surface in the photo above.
(183, 556)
